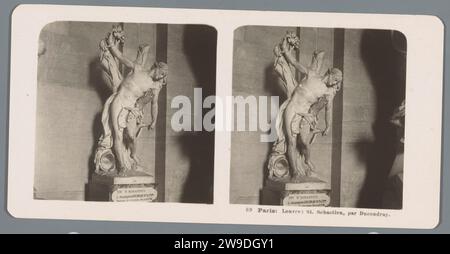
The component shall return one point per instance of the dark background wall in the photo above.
(374, 71)
(373, 85)
(191, 55)
(71, 94)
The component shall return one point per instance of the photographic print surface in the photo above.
(104, 112)
(334, 101)
(229, 117)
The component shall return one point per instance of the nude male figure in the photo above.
(298, 119)
(141, 86)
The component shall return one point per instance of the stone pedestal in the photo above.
(307, 191)
(135, 187)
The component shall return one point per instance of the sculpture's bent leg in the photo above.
(291, 136)
(119, 146)
(305, 149)
(131, 132)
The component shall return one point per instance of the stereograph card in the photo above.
(230, 117)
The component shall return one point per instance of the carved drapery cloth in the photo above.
(113, 77)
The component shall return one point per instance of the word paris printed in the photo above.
(214, 116)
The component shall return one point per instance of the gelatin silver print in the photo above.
(336, 133)
(104, 110)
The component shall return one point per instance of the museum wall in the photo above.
(253, 75)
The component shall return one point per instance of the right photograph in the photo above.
(318, 117)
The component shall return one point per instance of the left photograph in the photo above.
(120, 113)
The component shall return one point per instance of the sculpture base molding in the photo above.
(307, 191)
(135, 187)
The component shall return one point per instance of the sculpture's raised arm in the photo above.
(328, 114)
(154, 108)
(317, 61)
(334, 79)
(142, 54)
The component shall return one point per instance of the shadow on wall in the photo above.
(199, 45)
(387, 70)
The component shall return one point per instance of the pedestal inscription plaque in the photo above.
(307, 192)
(139, 187)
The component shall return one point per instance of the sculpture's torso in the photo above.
(308, 92)
(135, 85)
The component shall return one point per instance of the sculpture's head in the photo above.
(333, 78)
(159, 72)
